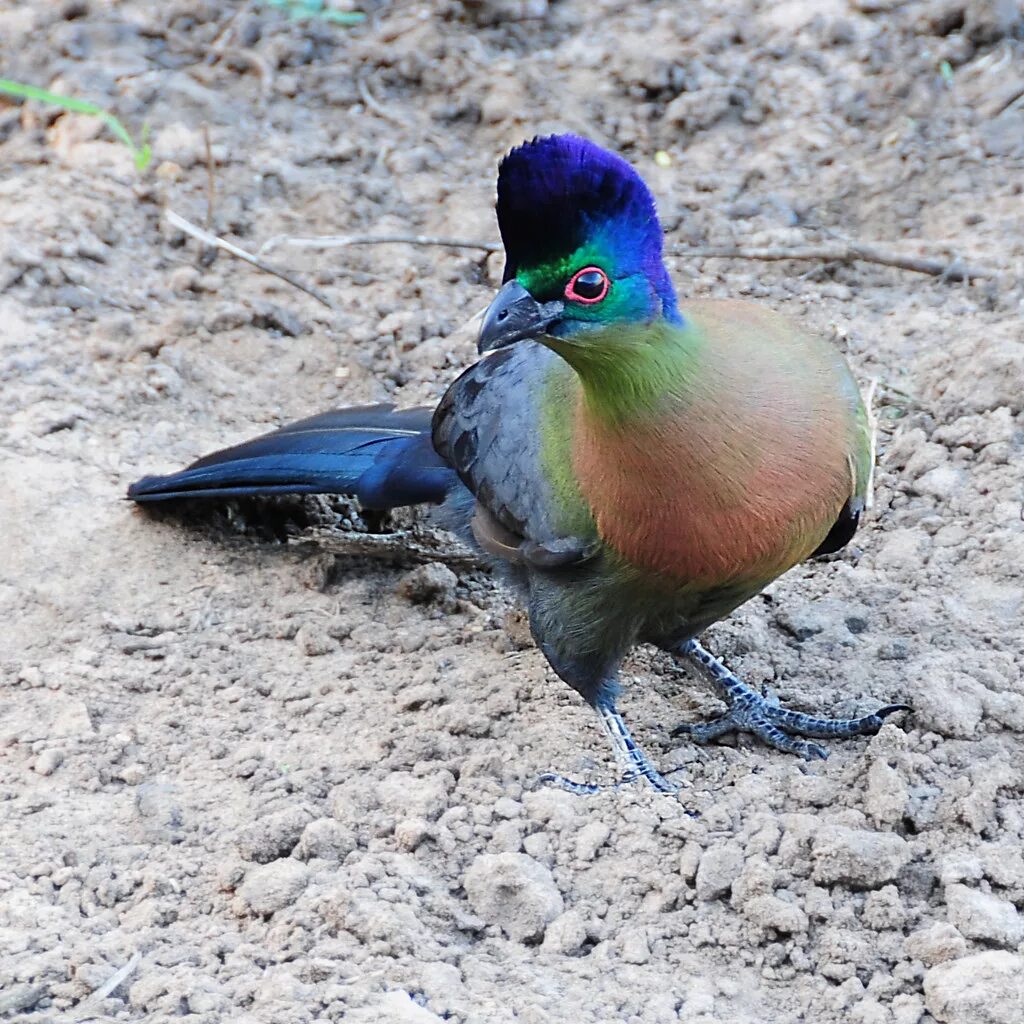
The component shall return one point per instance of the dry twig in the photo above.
(344, 241)
(869, 409)
(372, 103)
(836, 252)
(84, 1011)
(843, 252)
(211, 191)
(176, 220)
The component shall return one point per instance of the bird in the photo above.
(637, 467)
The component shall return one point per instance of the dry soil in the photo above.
(247, 778)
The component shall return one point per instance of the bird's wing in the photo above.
(490, 426)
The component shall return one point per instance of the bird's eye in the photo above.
(588, 285)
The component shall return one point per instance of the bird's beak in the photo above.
(515, 315)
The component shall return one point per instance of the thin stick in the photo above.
(844, 252)
(374, 104)
(83, 1011)
(175, 220)
(213, 51)
(344, 241)
(869, 409)
(840, 252)
(211, 191)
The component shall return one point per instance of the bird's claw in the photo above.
(783, 729)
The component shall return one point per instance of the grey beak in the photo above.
(515, 315)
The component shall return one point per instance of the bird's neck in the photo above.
(633, 371)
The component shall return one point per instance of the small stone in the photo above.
(857, 857)
(411, 833)
(980, 915)
(935, 944)
(326, 839)
(48, 761)
(884, 910)
(270, 317)
(567, 934)
(16, 998)
(274, 836)
(1004, 865)
(719, 867)
(636, 947)
(314, 642)
(433, 583)
(228, 317)
(943, 482)
(514, 892)
(272, 887)
(773, 912)
(395, 1007)
(590, 839)
(689, 861)
(886, 797)
(986, 988)
(403, 793)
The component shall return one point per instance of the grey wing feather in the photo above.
(487, 427)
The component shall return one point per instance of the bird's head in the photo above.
(582, 248)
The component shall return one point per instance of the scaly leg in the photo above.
(632, 761)
(751, 712)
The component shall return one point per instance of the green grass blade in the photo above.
(141, 154)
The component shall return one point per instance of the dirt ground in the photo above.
(246, 778)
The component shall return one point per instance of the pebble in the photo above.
(271, 887)
(719, 867)
(433, 583)
(857, 857)
(980, 915)
(274, 836)
(513, 892)
(326, 839)
(48, 761)
(936, 944)
(986, 988)
(590, 839)
(566, 934)
(774, 912)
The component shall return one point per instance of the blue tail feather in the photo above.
(382, 457)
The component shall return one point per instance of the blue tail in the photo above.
(382, 457)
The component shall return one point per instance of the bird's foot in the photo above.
(635, 765)
(760, 715)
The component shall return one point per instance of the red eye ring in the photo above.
(589, 291)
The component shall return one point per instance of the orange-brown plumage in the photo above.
(739, 473)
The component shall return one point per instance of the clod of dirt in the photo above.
(272, 887)
(987, 988)
(980, 915)
(274, 836)
(433, 583)
(719, 867)
(514, 892)
(325, 839)
(936, 944)
(857, 857)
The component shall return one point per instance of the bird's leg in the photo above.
(630, 758)
(752, 712)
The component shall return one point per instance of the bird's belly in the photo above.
(704, 523)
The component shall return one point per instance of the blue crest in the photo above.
(559, 192)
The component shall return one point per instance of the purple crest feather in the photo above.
(554, 191)
(557, 192)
